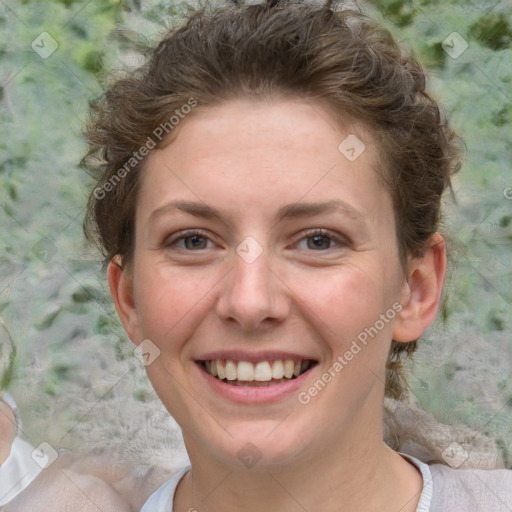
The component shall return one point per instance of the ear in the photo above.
(421, 293)
(120, 280)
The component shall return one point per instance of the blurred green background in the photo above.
(75, 376)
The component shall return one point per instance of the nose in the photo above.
(252, 296)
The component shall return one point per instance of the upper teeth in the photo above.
(260, 371)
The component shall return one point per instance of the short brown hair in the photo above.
(295, 49)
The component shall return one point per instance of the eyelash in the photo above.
(323, 233)
(183, 235)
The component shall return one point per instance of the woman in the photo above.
(268, 198)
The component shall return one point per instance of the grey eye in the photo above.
(195, 242)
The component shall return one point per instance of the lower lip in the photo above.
(254, 395)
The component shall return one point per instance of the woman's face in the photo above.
(261, 240)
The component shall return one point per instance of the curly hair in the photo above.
(320, 53)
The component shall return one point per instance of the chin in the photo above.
(256, 445)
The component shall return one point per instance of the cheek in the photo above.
(343, 302)
(170, 301)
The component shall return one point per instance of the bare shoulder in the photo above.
(63, 489)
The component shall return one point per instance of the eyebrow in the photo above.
(294, 210)
(309, 209)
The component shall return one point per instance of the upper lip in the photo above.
(253, 357)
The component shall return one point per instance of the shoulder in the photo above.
(61, 489)
(459, 490)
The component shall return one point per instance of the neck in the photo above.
(363, 476)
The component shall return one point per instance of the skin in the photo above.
(68, 485)
(83, 484)
(251, 158)
(63, 489)
(88, 484)
(8, 430)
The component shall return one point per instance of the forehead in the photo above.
(260, 155)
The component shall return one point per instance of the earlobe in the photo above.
(120, 282)
(422, 292)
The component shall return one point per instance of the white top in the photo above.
(444, 490)
(18, 471)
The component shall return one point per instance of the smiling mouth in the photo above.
(262, 373)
